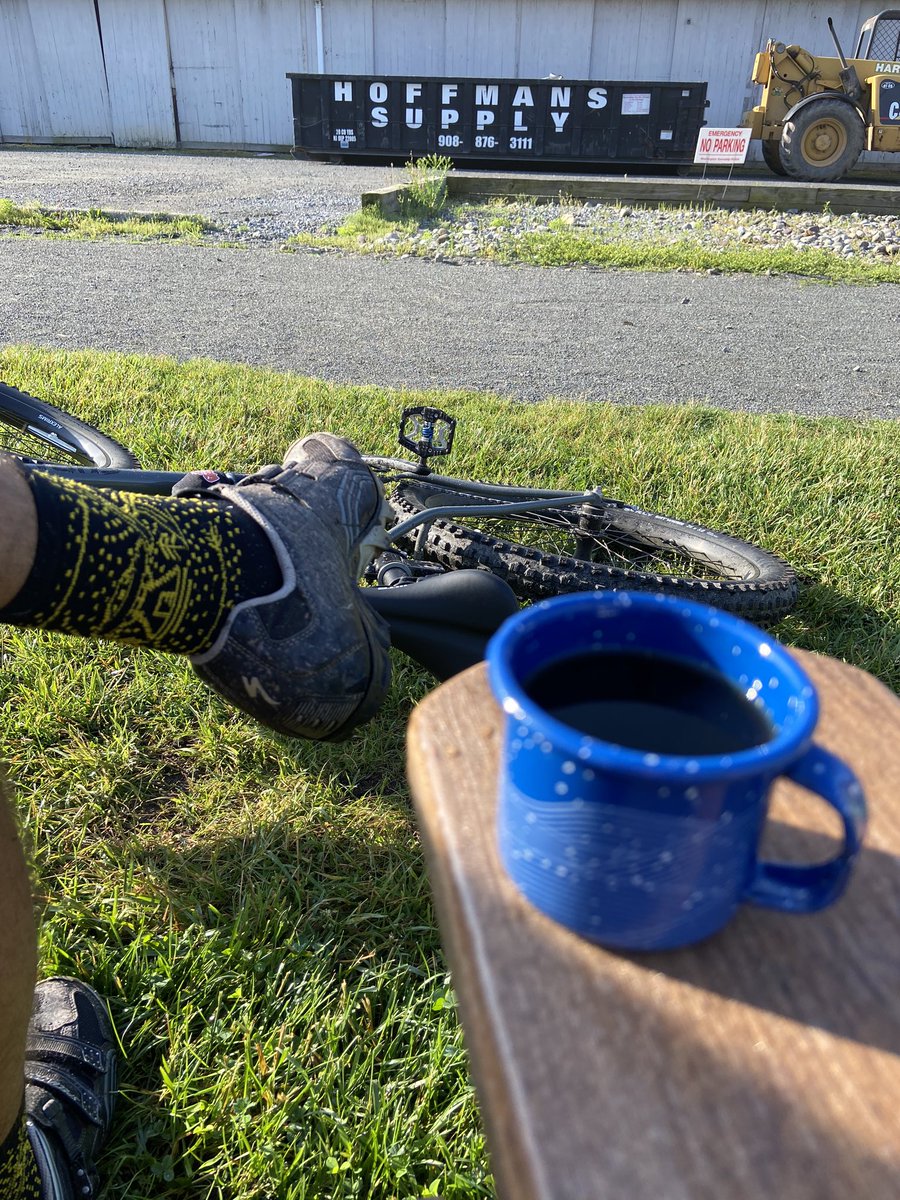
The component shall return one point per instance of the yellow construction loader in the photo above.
(817, 115)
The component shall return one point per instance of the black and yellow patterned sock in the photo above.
(19, 1179)
(155, 571)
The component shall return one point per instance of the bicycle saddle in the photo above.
(444, 622)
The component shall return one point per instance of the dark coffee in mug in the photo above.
(649, 701)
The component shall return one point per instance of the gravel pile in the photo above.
(260, 199)
(274, 218)
(478, 230)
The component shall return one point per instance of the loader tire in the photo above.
(771, 152)
(822, 142)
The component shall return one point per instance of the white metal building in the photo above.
(211, 73)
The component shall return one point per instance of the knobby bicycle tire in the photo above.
(36, 431)
(607, 545)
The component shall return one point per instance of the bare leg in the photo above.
(18, 531)
(18, 955)
(18, 539)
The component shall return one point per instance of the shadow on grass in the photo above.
(830, 622)
(295, 970)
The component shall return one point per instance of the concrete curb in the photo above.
(387, 199)
(732, 193)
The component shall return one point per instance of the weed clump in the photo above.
(426, 192)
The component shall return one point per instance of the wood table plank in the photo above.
(763, 1062)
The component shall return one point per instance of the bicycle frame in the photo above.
(160, 483)
(586, 540)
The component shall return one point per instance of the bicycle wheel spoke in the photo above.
(39, 432)
(564, 537)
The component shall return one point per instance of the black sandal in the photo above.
(70, 1085)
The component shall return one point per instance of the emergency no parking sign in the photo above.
(722, 147)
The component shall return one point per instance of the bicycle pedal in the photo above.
(427, 432)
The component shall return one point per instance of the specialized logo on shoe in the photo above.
(255, 689)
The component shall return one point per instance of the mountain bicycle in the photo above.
(474, 550)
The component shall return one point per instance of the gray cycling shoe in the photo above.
(310, 660)
(70, 1085)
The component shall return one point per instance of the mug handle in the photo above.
(805, 889)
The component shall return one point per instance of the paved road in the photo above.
(767, 345)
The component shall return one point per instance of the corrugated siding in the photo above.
(482, 39)
(208, 86)
(229, 59)
(270, 36)
(704, 34)
(633, 41)
(23, 113)
(137, 71)
(401, 24)
(555, 39)
(348, 38)
(52, 81)
(212, 72)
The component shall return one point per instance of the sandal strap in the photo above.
(55, 1184)
(61, 1083)
(70, 1085)
(59, 1048)
(51, 1120)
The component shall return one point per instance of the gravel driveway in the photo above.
(761, 344)
(226, 188)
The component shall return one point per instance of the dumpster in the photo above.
(560, 120)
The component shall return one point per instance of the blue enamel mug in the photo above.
(648, 839)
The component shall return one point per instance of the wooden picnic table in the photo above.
(764, 1062)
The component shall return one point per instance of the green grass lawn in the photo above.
(255, 909)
